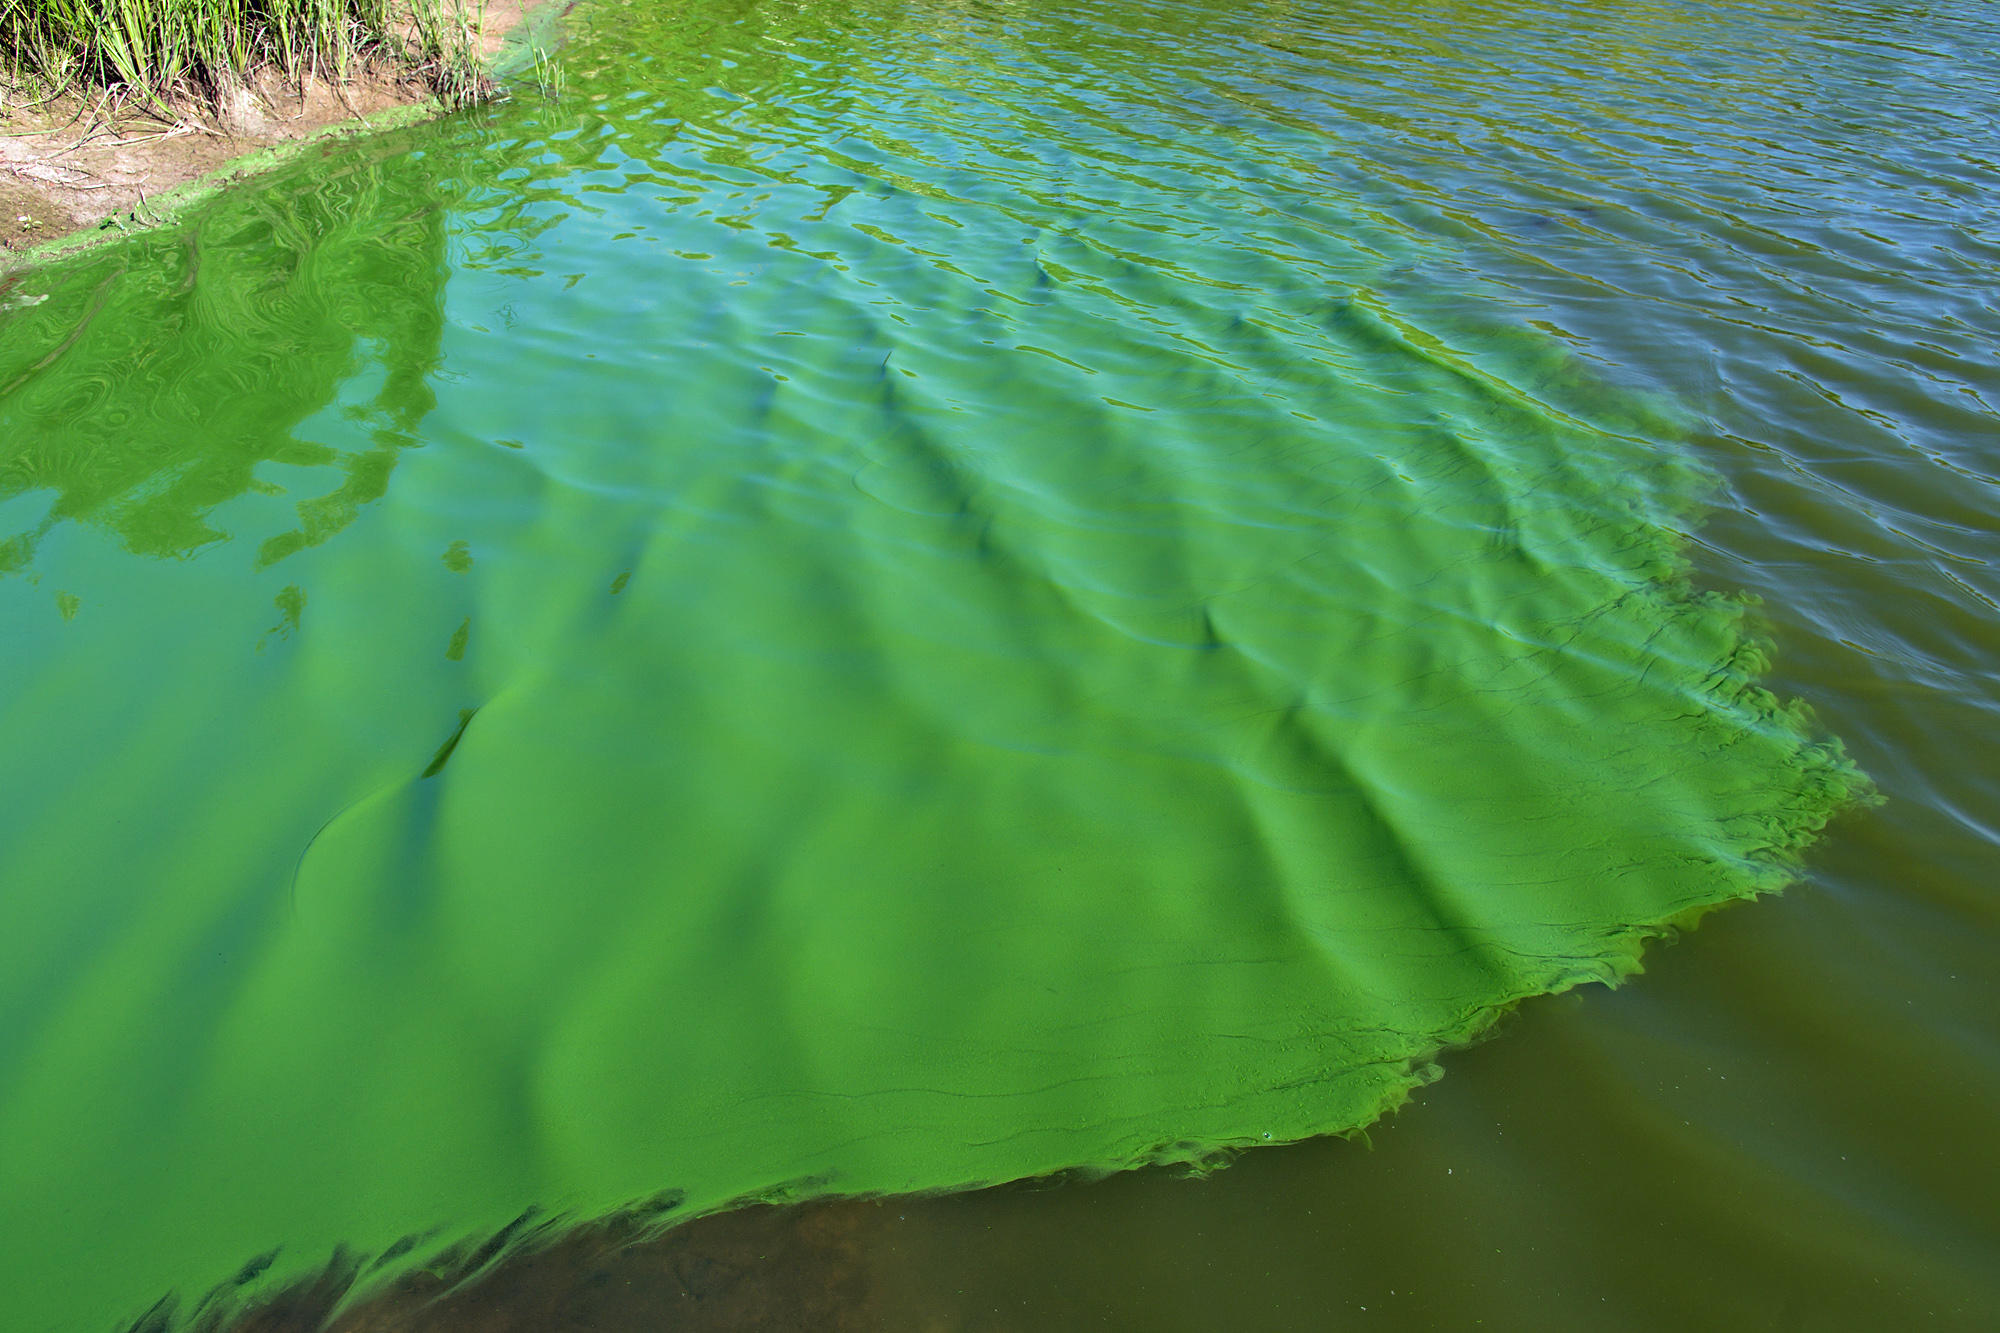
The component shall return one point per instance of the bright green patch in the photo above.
(1051, 645)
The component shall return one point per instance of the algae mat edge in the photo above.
(503, 718)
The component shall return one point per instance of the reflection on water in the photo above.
(146, 388)
(991, 588)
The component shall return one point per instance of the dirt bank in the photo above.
(79, 162)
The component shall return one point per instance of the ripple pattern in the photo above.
(890, 597)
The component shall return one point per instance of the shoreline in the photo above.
(72, 177)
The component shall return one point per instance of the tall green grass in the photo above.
(156, 49)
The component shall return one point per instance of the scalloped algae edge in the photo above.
(1814, 781)
(1818, 782)
(1827, 784)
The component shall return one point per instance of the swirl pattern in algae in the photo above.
(877, 599)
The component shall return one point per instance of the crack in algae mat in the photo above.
(871, 599)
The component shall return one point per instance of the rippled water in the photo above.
(889, 596)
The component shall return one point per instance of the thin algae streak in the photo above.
(1005, 643)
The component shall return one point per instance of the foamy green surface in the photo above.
(875, 601)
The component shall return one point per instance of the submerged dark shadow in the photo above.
(764, 1267)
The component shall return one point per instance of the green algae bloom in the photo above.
(981, 662)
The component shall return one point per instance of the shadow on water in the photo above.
(782, 1268)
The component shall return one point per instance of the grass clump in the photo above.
(161, 50)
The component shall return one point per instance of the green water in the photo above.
(885, 598)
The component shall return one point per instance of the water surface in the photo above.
(885, 598)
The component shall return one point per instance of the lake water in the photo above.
(878, 599)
